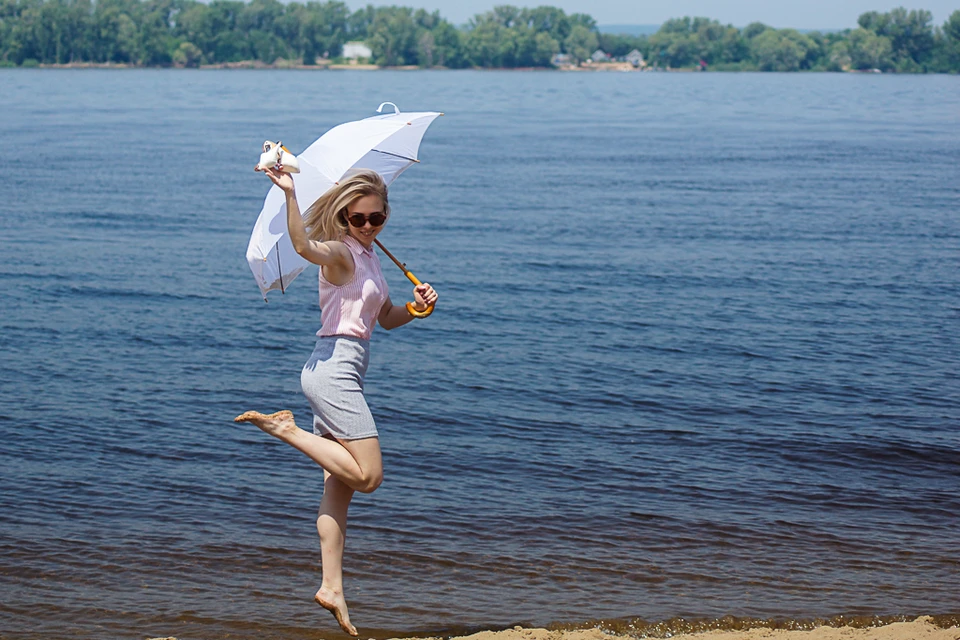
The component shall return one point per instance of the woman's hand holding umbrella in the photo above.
(282, 180)
(425, 297)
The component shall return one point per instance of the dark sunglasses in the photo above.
(375, 219)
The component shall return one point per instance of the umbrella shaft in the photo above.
(402, 266)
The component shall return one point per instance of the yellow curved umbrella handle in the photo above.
(410, 308)
(419, 314)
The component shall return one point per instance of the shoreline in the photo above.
(331, 66)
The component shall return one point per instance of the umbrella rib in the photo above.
(279, 269)
(396, 155)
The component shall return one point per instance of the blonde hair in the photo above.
(326, 218)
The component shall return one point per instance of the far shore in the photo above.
(338, 66)
(325, 65)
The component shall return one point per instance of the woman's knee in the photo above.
(371, 481)
(367, 454)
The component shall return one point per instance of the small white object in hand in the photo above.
(276, 155)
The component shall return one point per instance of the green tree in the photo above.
(127, 44)
(719, 43)
(156, 42)
(434, 41)
(187, 55)
(583, 20)
(482, 43)
(393, 36)
(683, 26)
(676, 50)
(448, 46)
(685, 42)
(818, 55)
(426, 49)
(321, 29)
(23, 38)
(259, 21)
(779, 50)
(674, 45)
(54, 31)
(545, 48)
(946, 58)
(505, 15)
(195, 24)
(910, 34)
(512, 37)
(550, 20)
(266, 47)
(230, 46)
(224, 42)
(807, 45)
(359, 22)
(838, 58)
(259, 15)
(581, 43)
(754, 29)
(867, 50)
(951, 28)
(619, 45)
(287, 26)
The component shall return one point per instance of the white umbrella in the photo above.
(387, 144)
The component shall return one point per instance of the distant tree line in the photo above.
(190, 33)
(901, 40)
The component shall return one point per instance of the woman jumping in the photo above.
(337, 233)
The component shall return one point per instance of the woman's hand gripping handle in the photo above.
(425, 296)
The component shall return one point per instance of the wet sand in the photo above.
(920, 629)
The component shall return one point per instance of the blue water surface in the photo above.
(696, 353)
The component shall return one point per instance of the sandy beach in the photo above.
(923, 628)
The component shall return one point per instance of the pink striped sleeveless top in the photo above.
(352, 309)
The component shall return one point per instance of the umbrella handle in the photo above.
(419, 314)
(410, 308)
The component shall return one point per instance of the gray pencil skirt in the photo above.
(332, 380)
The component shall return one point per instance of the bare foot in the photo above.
(335, 604)
(277, 424)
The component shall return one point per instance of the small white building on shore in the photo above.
(355, 50)
(635, 58)
(600, 56)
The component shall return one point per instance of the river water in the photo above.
(696, 354)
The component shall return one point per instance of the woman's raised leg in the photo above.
(356, 462)
(332, 527)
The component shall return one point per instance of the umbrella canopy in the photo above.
(387, 144)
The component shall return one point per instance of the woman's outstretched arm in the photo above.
(396, 315)
(327, 254)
